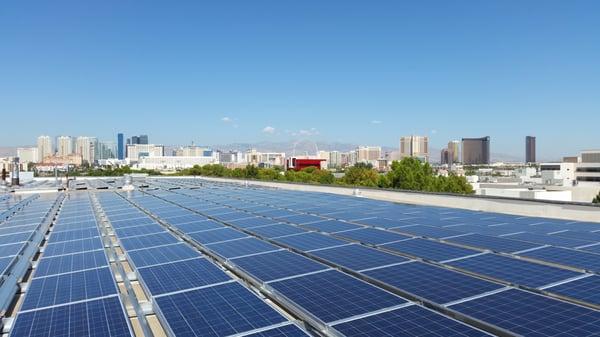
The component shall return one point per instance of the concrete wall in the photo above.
(558, 210)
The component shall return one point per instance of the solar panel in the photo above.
(310, 241)
(409, 321)
(162, 254)
(10, 249)
(567, 257)
(289, 330)
(71, 287)
(332, 295)
(17, 229)
(217, 235)
(147, 241)
(70, 247)
(331, 226)
(246, 246)
(4, 263)
(102, 317)
(533, 315)
(586, 289)
(253, 222)
(272, 231)
(276, 265)
(70, 262)
(77, 234)
(493, 243)
(199, 226)
(174, 276)
(16, 237)
(372, 236)
(357, 257)
(139, 230)
(432, 283)
(221, 310)
(301, 219)
(513, 270)
(585, 236)
(429, 250)
(428, 231)
(548, 240)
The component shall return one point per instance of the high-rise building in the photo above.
(476, 151)
(335, 159)
(368, 153)
(44, 146)
(120, 147)
(453, 152)
(415, 146)
(106, 150)
(86, 148)
(530, 149)
(143, 139)
(445, 156)
(64, 145)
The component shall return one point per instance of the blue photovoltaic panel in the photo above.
(493, 243)
(253, 222)
(567, 257)
(217, 235)
(513, 270)
(17, 229)
(139, 230)
(241, 247)
(226, 217)
(10, 249)
(272, 231)
(586, 236)
(310, 241)
(4, 263)
(357, 257)
(586, 289)
(102, 317)
(372, 236)
(221, 310)
(429, 250)
(332, 295)
(166, 278)
(71, 287)
(428, 231)
(301, 219)
(71, 262)
(432, 283)
(162, 254)
(548, 240)
(199, 226)
(383, 222)
(592, 249)
(147, 241)
(409, 321)
(69, 247)
(289, 330)
(77, 234)
(17, 237)
(275, 265)
(331, 226)
(529, 314)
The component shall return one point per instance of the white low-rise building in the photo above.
(173, 163)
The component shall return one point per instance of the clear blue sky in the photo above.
(350, 71)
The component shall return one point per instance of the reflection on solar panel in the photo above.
(514, 270)
(162, 254)
(289, 330)
(430, 250)
(246, 246)
(332, 295)
(310, 241)
(275, 265)
(170, 277)
(372, 236)
(71, 287)
(69, 247)
(586, 289)
(102, 317)
(533, 315)
(221, 310)
(217, 235)
(357, 257)
(493, 243)
(147, 241)
(567, 257)
(432, 283)
(409, 321)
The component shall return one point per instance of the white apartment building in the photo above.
(64, 145)
(266, 159)
(136, 151)
(86, 148)
(44, 147)
(28, 154)
(368, 153)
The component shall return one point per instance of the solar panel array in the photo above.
(222, 259)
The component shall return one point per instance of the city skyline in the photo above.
(334, 72)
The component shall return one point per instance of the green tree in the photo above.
(597, 199)
(361, 175)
